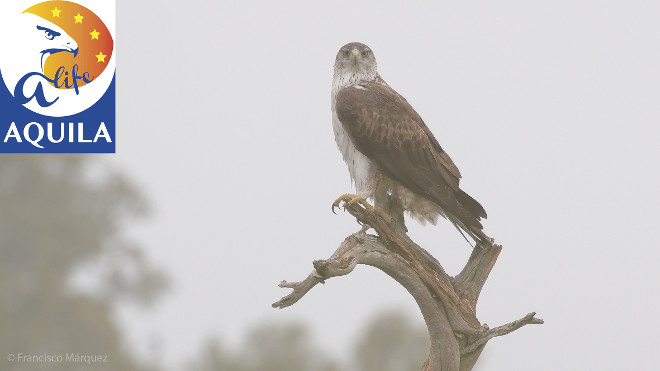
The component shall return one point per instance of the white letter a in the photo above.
(13, 133)
(102, 132)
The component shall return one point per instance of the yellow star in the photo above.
(56, 12)
(79, 18)
(95, 34)
(100, 57)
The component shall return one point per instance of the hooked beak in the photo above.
(70, 47)
(65, 48)
(355, 54)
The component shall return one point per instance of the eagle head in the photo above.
(54, 40)
(39, 36)
(355, 61)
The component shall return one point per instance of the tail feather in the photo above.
(472, 225)
(462, 210)
(472, 205)
(474, 231)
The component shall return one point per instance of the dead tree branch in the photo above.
(448, 304)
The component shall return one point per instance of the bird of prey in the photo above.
(389, 150)
(33, 40)
(48, 38)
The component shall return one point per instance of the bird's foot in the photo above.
(351, 199)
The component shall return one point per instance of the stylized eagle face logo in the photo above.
(52, 40)
(54, 61)
(36, 39)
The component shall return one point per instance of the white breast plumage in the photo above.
(359, 166)
(405, 165)
(362, 170)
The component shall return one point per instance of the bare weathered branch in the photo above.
(340, 263)
(502, 330)
(299, 290)
(448, 304)
(470, 281)
(460, 312)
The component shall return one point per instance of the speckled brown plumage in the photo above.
(386, 129)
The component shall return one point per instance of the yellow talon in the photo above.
(351, 199)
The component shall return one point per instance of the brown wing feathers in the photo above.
(385, 128)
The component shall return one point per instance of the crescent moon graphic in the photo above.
(78, 38)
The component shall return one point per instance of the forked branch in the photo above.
(448, 304)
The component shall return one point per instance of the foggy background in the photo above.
(170, 251)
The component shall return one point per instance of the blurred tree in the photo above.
(213, 357)
(272, 347)
(391, 343)
(284, 347)
(57, 213)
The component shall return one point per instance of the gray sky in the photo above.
(551, 111)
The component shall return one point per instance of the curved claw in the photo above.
(344, 197)
(336, 204)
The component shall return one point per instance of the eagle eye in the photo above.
(365, 53)
(345, 53)
(48, 33)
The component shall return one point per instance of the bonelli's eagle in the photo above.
(391, 152)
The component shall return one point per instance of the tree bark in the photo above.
(448, 304)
